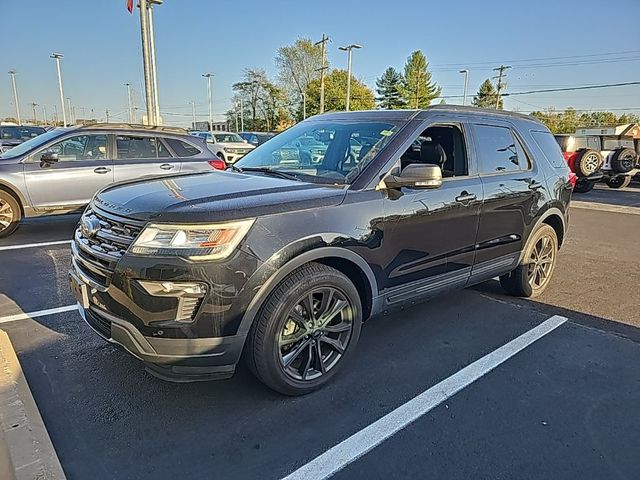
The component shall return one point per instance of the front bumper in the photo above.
(173, 359)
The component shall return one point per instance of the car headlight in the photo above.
(194, 242)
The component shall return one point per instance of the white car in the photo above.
(230, 147)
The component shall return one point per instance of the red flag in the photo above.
(130, 6)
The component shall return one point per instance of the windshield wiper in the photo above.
(235, 169)
(268, 171)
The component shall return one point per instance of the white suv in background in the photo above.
(229, 146)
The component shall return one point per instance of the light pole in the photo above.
(35, 117)
(241, 115)
(348, 49)
(15, 95)
(193, 114)
(57, 57)
(128, 85)
(71, 120)
(44, 113)
(209, 76)
(466, 82)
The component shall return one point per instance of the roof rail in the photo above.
(134, 126)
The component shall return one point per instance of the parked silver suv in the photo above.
(60, 170)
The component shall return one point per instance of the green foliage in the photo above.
(417, 89)
(263, 102)
(298, 64)
(568, 121)
(335, 94)
(487, 96)
(388, 88)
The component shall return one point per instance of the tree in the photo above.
(487, 96)
(388, 88)
(262, 101)
(568, 121)
(298, 65)
(335, 93)
(418, 91)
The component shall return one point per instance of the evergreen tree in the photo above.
(388, 89)
(487, 96)
(418, 90)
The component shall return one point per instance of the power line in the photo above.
(548, 90)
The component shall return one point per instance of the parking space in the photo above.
(559, 408)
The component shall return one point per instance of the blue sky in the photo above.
(101, 44)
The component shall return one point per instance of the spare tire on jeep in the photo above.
(623, 160)
(587, 162)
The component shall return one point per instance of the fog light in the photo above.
(189, 296)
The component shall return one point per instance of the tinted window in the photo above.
(498, 150)
(81, 147)
(140, 147)
(20, 133)
(182, 149)
(549, 147)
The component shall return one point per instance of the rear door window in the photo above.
(499, 151)
(132, 147)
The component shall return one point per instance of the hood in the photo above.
(213, 197)
(247, 146)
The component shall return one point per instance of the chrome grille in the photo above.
(96, 253)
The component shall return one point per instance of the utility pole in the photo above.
(128, 85)
(57, 57)
(323, 68)
(349, 49)
(44, 113)
(501, 85)
(208, 76)
(193, 114)
(35, 117)
(106, 112)
(15, 95)
(466, 82)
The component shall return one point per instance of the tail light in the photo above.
(573, 178)
(218, 164)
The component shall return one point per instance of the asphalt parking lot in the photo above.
(564, 406)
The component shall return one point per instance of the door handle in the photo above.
(465, 197)
(535, 186)
(166, 166)
(102, 170)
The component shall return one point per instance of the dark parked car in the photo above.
(60, 170)
(256, 138)
(283, 261)
(13, 135)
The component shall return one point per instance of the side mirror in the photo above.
(48, 157)
(416, 175)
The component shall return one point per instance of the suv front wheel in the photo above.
(533, 274)
(10, 214)
(306, 330)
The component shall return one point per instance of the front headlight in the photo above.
(194, 242)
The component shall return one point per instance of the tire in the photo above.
(583, 186)
(267, 350)
(619, 181)
(587, 162)
(520, 282)
(623, 160)
(10, 214)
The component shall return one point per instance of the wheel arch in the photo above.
(14, 192)
(555, 219)
(349, 263)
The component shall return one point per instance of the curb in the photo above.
(605, 207)
(26, 451)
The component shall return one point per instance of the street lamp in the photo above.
(57, 57)
(15, 95)
(128, 85)
(349, 48)
(466, 81)
(209, 76)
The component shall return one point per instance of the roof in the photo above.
(405, 115)
(132, 126)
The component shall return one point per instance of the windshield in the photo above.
(20, 133)
(228, 138)
(322, 151)
(32, 144)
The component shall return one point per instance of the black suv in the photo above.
(282, 257)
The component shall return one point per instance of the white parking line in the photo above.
(39, 313)
(30, 245)
(358, 444)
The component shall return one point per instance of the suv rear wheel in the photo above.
(532, 276)
(10, 214)
(619, 181)
(306, 330)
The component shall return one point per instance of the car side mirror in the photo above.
(48, 158)
(415, 175)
